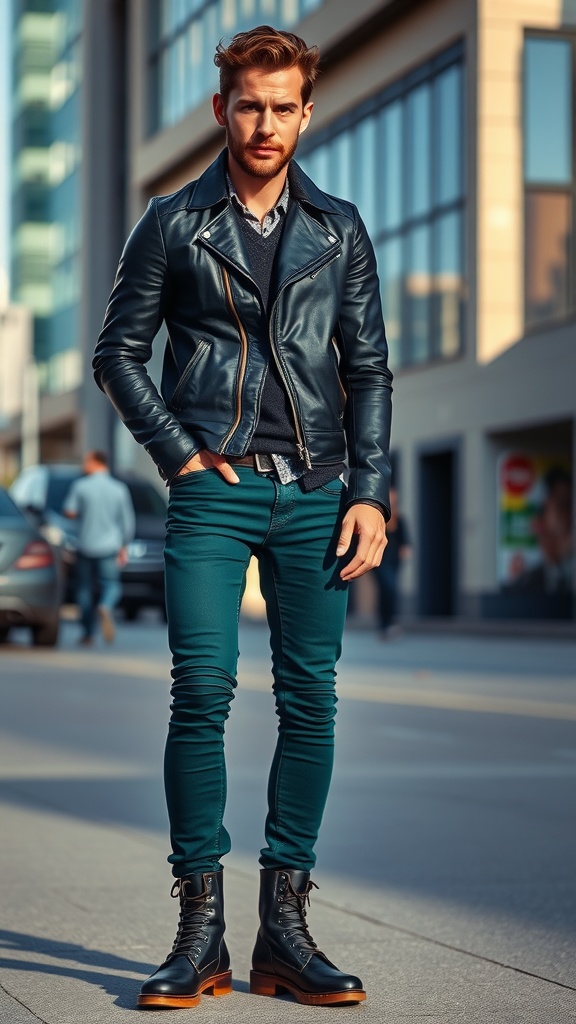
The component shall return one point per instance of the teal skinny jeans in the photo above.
(213, 528)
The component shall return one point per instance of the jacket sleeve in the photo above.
(133, 318)
(368, 381)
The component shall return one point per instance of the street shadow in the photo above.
(95, 966)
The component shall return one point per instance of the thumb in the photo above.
(225, 469)
(344, 539)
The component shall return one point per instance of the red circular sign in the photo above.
(517, 475)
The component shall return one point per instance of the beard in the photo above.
(256, 166)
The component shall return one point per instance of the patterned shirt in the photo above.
(271, 219)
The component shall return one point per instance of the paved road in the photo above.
(447, 858)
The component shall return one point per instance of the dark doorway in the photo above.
(437, 533)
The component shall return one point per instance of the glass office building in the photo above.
(45, 182)
(182, 40)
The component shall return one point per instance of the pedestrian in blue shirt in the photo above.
(105, 514)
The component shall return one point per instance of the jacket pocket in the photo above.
(201, 351)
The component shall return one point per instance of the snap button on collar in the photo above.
(206, 234)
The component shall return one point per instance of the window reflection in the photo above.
(548, 239)
(448, 176)
(550, 183)
(548, 111)
(418, 144)
(390, 162)
(448, 282)
(389, 255)
(401, 163)
(417, 293)
(184, 36)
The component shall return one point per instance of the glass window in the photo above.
(390, 163)
(341, 166)
(364, 150)
(389, 255)
(448, 176)
(418, 290)
(548, 111)
(548, 242)
(183, 38)
(448, 282)
(550, 181)
(418, 150)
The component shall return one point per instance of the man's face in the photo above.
(263, 117)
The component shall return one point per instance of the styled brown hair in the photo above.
(268, 49)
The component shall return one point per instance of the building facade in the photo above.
(451, 124)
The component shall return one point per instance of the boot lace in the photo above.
(194, 916)
(293, 915)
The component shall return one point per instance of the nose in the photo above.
(265, 125)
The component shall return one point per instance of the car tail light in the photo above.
(36, 555)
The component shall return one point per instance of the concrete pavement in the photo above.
(86, 913)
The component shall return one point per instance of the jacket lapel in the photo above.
(305, 243)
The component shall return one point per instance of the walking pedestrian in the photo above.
(275, 373)
(105, 514)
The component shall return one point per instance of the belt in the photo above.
(261, 463)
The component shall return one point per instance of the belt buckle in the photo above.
(263, 463)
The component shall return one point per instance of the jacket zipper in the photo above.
(202, 346)
(301, 446)
(243, 358)
(324, 265)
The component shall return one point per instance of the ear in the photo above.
(219, 109)
(306, 115)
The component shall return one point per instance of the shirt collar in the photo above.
(280, 207)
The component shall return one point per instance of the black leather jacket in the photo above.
(185, 263)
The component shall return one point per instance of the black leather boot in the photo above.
(199, 961)
(285, 957)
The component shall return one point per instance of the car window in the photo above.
(29, 489)
(146, 500)
(8, 510)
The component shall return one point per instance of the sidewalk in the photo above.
(85, 908)
(86, 916)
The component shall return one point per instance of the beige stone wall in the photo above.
(501, 25)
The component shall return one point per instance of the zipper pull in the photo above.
(304, 455)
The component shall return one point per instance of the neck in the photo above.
(258, 194)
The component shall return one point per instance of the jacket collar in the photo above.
(211, 189)
(306, 242)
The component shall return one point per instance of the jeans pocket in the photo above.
(334, 487)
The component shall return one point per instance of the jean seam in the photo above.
(281, 700)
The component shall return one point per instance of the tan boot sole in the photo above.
(220, 985)
(269, 985)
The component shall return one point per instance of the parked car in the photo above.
(30, 578)
(41, 491)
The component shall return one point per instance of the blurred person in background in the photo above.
(387, 573)
(553, 530)
(276, 371)
(105, 514)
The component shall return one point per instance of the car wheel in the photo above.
(4, 634)
(131, 612)
(45, 635)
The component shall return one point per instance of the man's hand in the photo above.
(122, 557)
(209, 460)
(367, 522)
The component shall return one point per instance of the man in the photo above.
(105, 514)
(274, 373)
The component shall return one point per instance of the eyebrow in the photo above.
(277, 103)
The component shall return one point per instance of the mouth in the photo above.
(264, 150)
